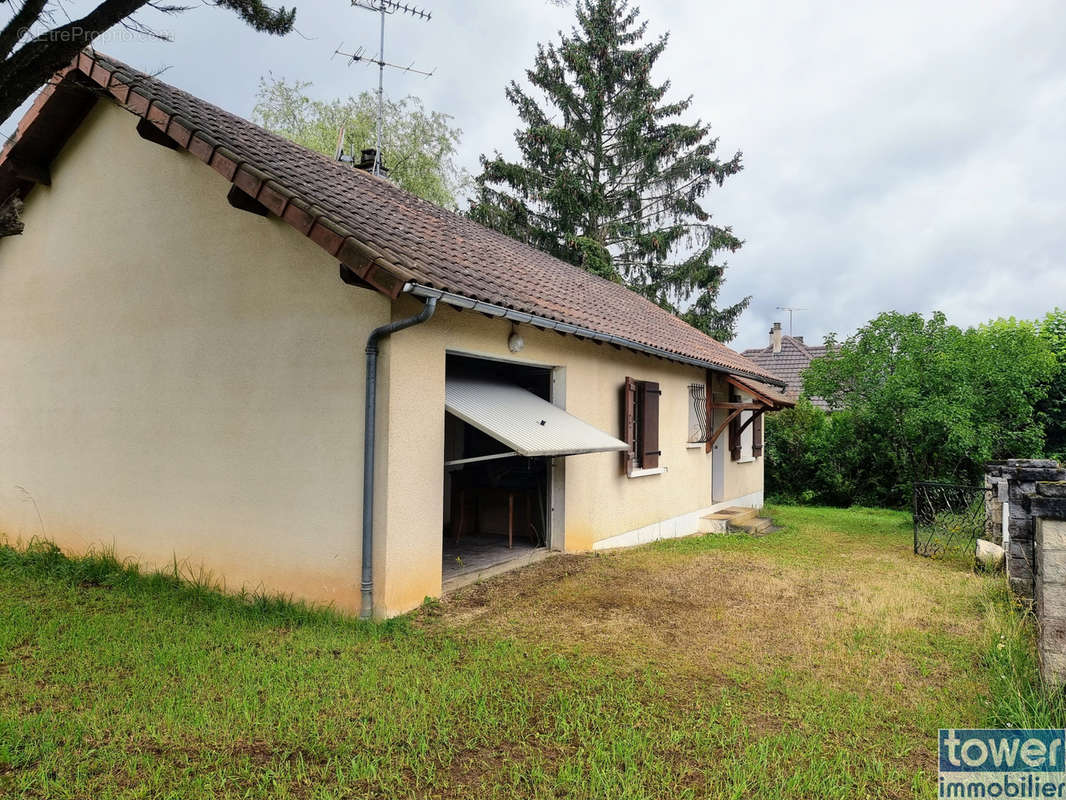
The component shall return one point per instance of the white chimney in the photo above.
(775, 337)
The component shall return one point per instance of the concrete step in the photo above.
(711, 524)
(720, 521)
(756, 526)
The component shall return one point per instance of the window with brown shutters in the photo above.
(756, 435)
(640, 424)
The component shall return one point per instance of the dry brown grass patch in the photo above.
(711, 612)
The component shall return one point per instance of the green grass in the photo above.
(816, 662)
(1017, 698)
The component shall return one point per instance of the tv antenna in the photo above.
(383, 7)
(790, 310)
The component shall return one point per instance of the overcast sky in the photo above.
(898, 155)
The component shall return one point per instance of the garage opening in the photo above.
(496, 501)
(504, 440)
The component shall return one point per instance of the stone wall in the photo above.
(1035, 493)
(1016, 480)
(994, 499)
(1047, 505)
(994, 506)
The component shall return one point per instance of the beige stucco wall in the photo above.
(600, 501)
(180, 379)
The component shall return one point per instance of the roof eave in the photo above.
(103, 78)
(522, 317)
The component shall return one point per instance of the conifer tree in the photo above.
(609, 178)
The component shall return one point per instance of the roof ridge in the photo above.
(799, 344)
(756, 350)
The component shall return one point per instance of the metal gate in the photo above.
(948, 518)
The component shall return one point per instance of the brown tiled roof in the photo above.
(789, 364)
(387, 236)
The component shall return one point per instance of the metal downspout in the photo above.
(367, 608)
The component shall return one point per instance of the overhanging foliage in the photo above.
(914, 399)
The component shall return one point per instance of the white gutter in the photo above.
(493, 310)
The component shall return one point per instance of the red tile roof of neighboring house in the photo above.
(789, 364)
(388, 236)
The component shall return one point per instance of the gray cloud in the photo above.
(904, 155)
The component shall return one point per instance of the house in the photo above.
(208, 331)
(788, 357)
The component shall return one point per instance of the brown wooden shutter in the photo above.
(629, 403)
(734, 431)
(649, 424)
(756, 435)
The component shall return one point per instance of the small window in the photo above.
(746, 436)
(640, 424)
(697, 413)
(745, 431)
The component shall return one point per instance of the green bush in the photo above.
(1052, 409)
(915, 400)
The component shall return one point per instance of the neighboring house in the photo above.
(186, 352)
(788, 357)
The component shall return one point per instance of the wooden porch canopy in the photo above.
(763, 398)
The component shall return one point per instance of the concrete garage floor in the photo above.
(479, 556)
